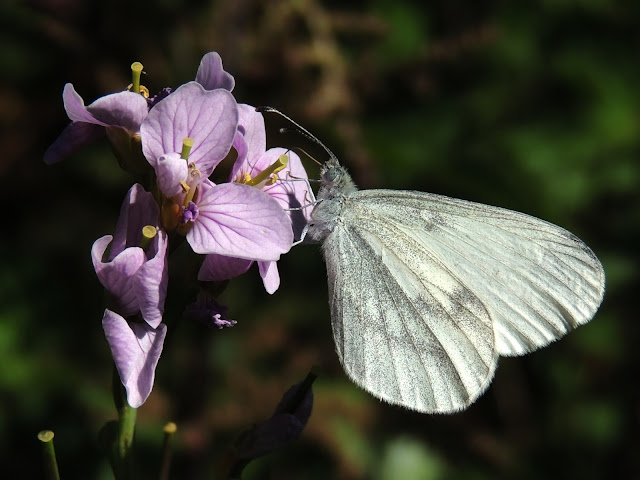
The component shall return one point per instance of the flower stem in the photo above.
(50, 462)
(169, 431)
(122, 447)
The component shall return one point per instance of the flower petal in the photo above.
(241, 147)
(209, 117)
(292, 190)
(211, 75)
(74, 106)
(270, 276)
(74, 137)
(217, 268)
(123, 109)
(136, 349)
(251, 127)
(139, 208)
(240, 221)
(116, 276)
(150, 281)
(171, 169)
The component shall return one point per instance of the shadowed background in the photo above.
(534, 108)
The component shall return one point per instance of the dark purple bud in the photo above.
(190, 213)
(151, 101)
(206, 310)
(286, 425)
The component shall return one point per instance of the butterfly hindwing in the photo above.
(405, 328)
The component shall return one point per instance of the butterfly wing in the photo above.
(536, 280)
(406, 329)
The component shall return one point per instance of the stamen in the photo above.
(273, 179)
(282, 162)
(136, 71)
(187, 143)
(148, 232)
(194, 180)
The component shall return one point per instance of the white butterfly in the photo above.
(427, 291)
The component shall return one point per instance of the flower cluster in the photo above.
(180, 136)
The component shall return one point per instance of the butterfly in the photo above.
(427, 291)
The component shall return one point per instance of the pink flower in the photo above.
(228, 219)
(135, 276)
(120, 111)
(288, 186)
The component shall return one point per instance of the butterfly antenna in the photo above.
(298, 129)
(307, 154)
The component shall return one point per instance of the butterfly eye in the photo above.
(331, 174)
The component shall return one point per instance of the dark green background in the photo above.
(533, 106)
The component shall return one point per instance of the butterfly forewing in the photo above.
(536, 280)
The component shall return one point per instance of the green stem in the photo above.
(122, 447)
(167, 450)
(50, 462)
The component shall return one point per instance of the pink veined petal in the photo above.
(211, 74)
(150, 283)
(251, 127)
(292, 180)
(139, 208)
(209, 117)
(116, 275)
(270, 276)
(242, 149)
(136, 349)
(292, 190)
(217, 268)
(75, 108)
(240, 221)
(122, 109)
(171, 169)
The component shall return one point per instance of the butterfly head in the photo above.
(336, 182)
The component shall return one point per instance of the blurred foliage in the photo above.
(533, 106)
